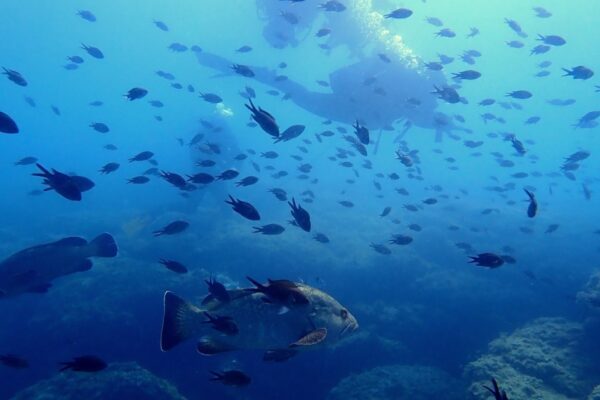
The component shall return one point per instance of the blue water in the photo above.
(426, 297)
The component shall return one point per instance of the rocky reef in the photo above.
(397, 382)
(590, 294)
(118, 381)
(544, 360)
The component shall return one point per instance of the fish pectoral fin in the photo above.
(85, 265)
(311, 338)
(43, 288)
(283, 310)
(210, 347)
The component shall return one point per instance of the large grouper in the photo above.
(280, 317)
(33, 269)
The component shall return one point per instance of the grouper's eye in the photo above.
(344, 313)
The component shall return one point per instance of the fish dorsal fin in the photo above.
(311, 338)
(71, 241)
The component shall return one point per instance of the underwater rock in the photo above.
(590, 294)
(396, 382)
(541, 361)
(118, 381)
(595, 395)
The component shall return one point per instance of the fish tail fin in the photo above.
(180, 321)
(104, 245)
(567, 72)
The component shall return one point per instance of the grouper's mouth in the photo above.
(348, 329)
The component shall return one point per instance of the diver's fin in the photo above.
(210, 347)
(311, 338)
(179, 321)
(104, 246)
(43, 288)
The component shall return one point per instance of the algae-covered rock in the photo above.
(118, 381)
(595, 395)
(541, 361)
(590, 294)
(398, 382)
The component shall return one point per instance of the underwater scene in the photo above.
(299, 199)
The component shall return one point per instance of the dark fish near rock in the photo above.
(231, 378)
(489, 260)
(172, 228)
(33, 269)
(13, 361)
(174, 266)
(269, 229)
(84, 364)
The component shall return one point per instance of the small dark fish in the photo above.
(84, 364)
(63, 184)
(206, 163)
(446, 33)
(211, 98)
(247, 181)
(551, 228)
(269, 229)
(87, 15)
(520, 94)
(161, 25)
(231, 378)
(323, 32)
(174, 179)
(264, 119)
(15, 77)
(143, 156)
(321, 238)
(279, 355)
(401, 240)
(13, 361)
(448, 94)
(467, 75)
(224, 325)
(100, 127)
(434, 21)
(346, 203)
(201, 178)
(7, 124)
(361, 132)
(579, 72)
(301, 216)
(281, 291)
(217, 291)
(489, 260)
(280, 194)
(333, 6)
(139, 180)
(540, 49)
(108, 168)
(290, 133)
(381, 249)
(173, 228)
(178, 47)
(243, 208)
(174, 266)
(533, 205)
(136, 93)
(26, 161)
(400, 13)
(227, 175)
(385, 211)
(244, 49)
(93, 51)
(243, 70)
(552, 40)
